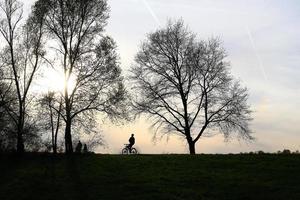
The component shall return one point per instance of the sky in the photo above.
(263, 46)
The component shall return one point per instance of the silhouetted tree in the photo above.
(7, 139)
(286, 151)
(185, 86)
(52, 107)
(21, 57)
(93, 140)
(260, 152)
(83, 53)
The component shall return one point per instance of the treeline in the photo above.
(181, 83)
(285, 151)
(68, 37)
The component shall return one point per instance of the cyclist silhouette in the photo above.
(131, 142)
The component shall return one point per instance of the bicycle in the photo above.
(126, 150)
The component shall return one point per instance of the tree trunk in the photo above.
(189, 139)
(191, 144)
(55, 143)
(57, 128)
(68, 138)
(54, 149)
(55, 139)
(192, 147)
(20, 141)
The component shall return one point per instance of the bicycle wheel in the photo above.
(125, 151)
(134, 151)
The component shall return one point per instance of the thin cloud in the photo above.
(260, 62)
(151, 12)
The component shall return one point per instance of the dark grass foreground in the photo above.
(150, 177)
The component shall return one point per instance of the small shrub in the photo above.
(260, 152)
(286, 151)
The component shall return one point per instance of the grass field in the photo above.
(152, 177)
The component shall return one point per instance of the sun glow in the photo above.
(55, 81)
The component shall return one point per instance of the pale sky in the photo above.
(263, 46)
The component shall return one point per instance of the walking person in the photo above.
(78, 147)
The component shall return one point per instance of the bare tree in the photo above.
(75, 28)
(52, 108)
(185, 86)
(6, 124)
(21, 57)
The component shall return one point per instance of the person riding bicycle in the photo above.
(131, 142)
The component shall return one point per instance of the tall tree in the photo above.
(185, 86)
(88, 60)
(21, 57)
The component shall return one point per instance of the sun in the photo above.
(53, 80)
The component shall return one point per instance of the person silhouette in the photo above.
(131, 142)
(78, 147)
(85, 149)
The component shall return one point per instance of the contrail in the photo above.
(151, 12)
(261, 66)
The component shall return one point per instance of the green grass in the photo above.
(152, 177)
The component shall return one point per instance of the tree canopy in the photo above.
(185, 86)
(75, 29)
